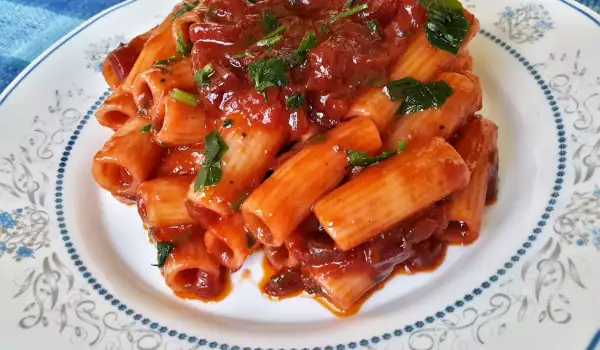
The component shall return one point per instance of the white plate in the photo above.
(75, 264)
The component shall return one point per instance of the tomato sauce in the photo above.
(348, 58)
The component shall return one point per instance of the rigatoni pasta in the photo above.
(340, 137)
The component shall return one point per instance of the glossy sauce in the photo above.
(225, 291)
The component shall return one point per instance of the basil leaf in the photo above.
(270, 71)
(210, 171)
(227, 123)
(163, 249)
(270, 22)
(185, 7)
(357, 158)
(183, 47)
(447, 26)
(146, 128)
(202, 76)
(295, 100)
(429, 95)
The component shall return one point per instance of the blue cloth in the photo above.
(27, 28)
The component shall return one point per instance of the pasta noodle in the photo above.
(442, 122)
(126, 160)
(303, 179)
(477, 145)
(385, 194)
(338, 136)
(118, 108)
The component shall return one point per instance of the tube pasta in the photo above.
(118, 108)
(126, 160)
(303, 179)
(251, 151)
(477, 145)
(182, 124)
(151, 87)
(161, 201)
(445, 121)
(421, 61)
(227, 242)
(391, 191)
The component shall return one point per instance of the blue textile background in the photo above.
(27, 28)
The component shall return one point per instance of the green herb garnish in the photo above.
(372, 26)
(270, 22)
(163, 249)
(295, 100)
(316, 138)
(163, 63)
(270, 71)
(147, 128)
(418, 96)
(202, 76)
(357, 158)
(447, 26)
(227, 123)
(185, 7)
(210, 171)
(183, 47)
(236, 205)
(348, 4)
(401, 146)
(299, 56)
(347, 13)
(184, 97)
(244, 55)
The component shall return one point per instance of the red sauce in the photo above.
(347, 60)
(409, 248)
(207, 290)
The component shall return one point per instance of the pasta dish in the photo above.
(338, 136)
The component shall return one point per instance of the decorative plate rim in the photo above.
(363, 342)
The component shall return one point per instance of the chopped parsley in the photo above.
(210, 171)
(316, 138)
(358, 158)
(447, 26)
(203, 75)
(270, 22)
(372, 26)
(401, 146)
(185, 7)
(236, 205)
(227, 123)
(418, 96)
(350, 12)
(270, 71)
(244, 55)
(147, 128)
(163, 63)
(299, 56)
(184, 97)
(163, 249)
(295, 101)
(183, 47)
(348, 4)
